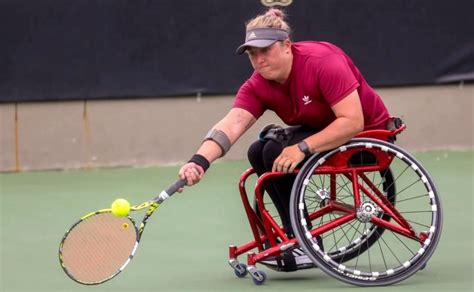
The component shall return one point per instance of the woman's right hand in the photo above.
(192, 173)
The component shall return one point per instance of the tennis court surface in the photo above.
(185, 244)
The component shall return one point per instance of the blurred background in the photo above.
(100, 83)
(128, 89)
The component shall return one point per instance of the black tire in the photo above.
(379, 255)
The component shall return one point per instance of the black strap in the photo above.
(392, 124)
(201, 161)
(275, 133)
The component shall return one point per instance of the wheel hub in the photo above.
(323, 194)
(366, 211)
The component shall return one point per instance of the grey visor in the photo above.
(262, 38)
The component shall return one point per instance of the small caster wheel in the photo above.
(240, 270)
(422, 267)
(259, 277)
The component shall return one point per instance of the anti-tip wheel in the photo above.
(240, 270)
(259, 277)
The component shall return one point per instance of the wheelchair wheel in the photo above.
(361, 236)
(374, 233)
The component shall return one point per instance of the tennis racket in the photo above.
(100, 245)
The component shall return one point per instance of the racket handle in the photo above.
(170, 191)
(174, 187)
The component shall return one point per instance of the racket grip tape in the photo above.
(170, 191)
(174, 187)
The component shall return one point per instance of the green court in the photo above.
(185, 244)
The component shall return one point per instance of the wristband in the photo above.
(201, 161)
(303, 146)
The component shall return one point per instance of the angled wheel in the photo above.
(373, 232)
(240, 270)
(259, 277)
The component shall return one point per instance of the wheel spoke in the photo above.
(412, 198)
(406, 188)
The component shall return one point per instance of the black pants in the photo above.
(261, 155)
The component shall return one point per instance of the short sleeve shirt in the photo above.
(321, 76)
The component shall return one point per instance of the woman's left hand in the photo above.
(288, 159)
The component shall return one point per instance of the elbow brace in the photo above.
(220, 138)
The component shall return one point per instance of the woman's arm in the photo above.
(349, 121)
(233, 125)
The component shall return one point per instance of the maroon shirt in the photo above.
(320, 77)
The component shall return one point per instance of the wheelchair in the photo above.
(367, 213)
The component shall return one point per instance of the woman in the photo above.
(312, 86)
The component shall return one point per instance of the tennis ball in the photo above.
(120, 207)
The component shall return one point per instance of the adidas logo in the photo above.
(252, 35)
(306, 99)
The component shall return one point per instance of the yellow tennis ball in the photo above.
(120, 207)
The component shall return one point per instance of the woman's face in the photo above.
(273, 62)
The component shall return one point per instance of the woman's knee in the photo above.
(255, 154)
(271, 151)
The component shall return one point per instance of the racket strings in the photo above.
(98, 247)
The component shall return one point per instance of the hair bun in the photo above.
(275, 12)
(271, 18)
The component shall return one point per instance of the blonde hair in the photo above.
(272, 18)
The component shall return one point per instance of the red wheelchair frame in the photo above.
(267, 228)
(266, 231)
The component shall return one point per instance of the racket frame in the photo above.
(152, 206)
